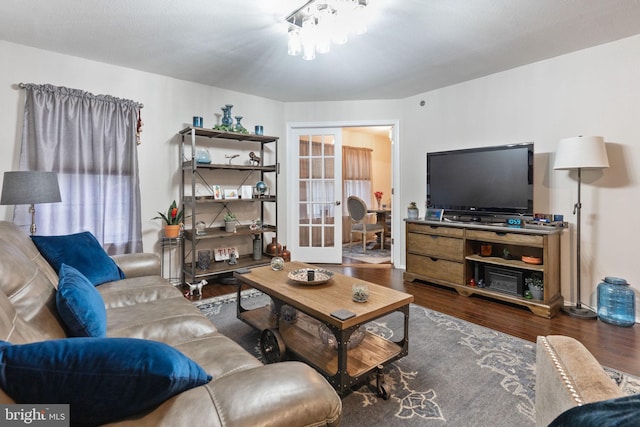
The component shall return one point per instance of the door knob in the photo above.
(338, 202)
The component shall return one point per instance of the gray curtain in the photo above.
(90, 141)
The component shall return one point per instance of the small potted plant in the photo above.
(172, 219)
(412, 211)
(535, 285)
(230, 222)
(360, 292)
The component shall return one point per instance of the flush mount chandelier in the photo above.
(317, 24)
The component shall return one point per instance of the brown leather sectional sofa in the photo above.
(243, 392)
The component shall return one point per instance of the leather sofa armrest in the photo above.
(567, 375)
(138, 265)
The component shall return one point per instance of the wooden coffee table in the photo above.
(343, 367)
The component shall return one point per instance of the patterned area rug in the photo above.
(457, 373)
(373, 256)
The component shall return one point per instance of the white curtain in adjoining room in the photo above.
(90, 142)
(356, 175)
(356, 181)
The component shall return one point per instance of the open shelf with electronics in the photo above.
(214, 186)
(450, 254)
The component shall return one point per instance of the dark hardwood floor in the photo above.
(613, 346)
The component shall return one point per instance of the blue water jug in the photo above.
(616, 302)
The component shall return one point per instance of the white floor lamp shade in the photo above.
(581, 152)
(588, 152)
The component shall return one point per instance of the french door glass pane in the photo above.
(316, 190)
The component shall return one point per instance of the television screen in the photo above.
(488, 180)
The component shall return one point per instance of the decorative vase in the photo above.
(204, 260)
(257, 249)
(286, 254)
(239, 126)
(537, 293)
(229, 226)
(274, 248)
(201, 228)
(616, 302)
(226, 118)
(172, 231)
(379, 203)
(413, 213)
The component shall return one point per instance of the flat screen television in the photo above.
(479, 182)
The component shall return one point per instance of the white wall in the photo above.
(169, 104)
(590, 92)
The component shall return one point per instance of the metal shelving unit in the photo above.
(193, 172)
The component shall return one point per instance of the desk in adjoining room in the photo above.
(381, 218)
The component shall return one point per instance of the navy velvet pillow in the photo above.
(81, 251)
(102, 379)
(619, 412)
(80, 305)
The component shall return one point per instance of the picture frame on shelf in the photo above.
(217, 192)
(246, 191)
(434, 214)
(230, 193)
(223, 254)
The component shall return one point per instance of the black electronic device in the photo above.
(484, 181)
(506, 280)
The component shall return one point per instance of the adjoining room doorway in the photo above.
(368, 174)
(303, 222)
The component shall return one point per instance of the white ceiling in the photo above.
(412, 46)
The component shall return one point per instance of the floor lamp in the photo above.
(579, 153)
(29, 188)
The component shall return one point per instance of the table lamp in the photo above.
(579, 153)
(29, 188)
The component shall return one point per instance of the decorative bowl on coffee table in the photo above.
(310, 276)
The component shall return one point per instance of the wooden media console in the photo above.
(448, 254)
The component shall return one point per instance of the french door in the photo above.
(316, 185)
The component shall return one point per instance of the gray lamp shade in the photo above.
(29, 187)
(584, 152)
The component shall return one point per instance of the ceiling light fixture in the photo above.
(317, 24)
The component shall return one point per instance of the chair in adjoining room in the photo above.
(358, 212)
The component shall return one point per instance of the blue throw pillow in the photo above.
(80, 305)
(81, 251)
(619, 412)
(102, 379)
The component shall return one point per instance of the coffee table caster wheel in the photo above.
(382, 392)
(272, 346)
